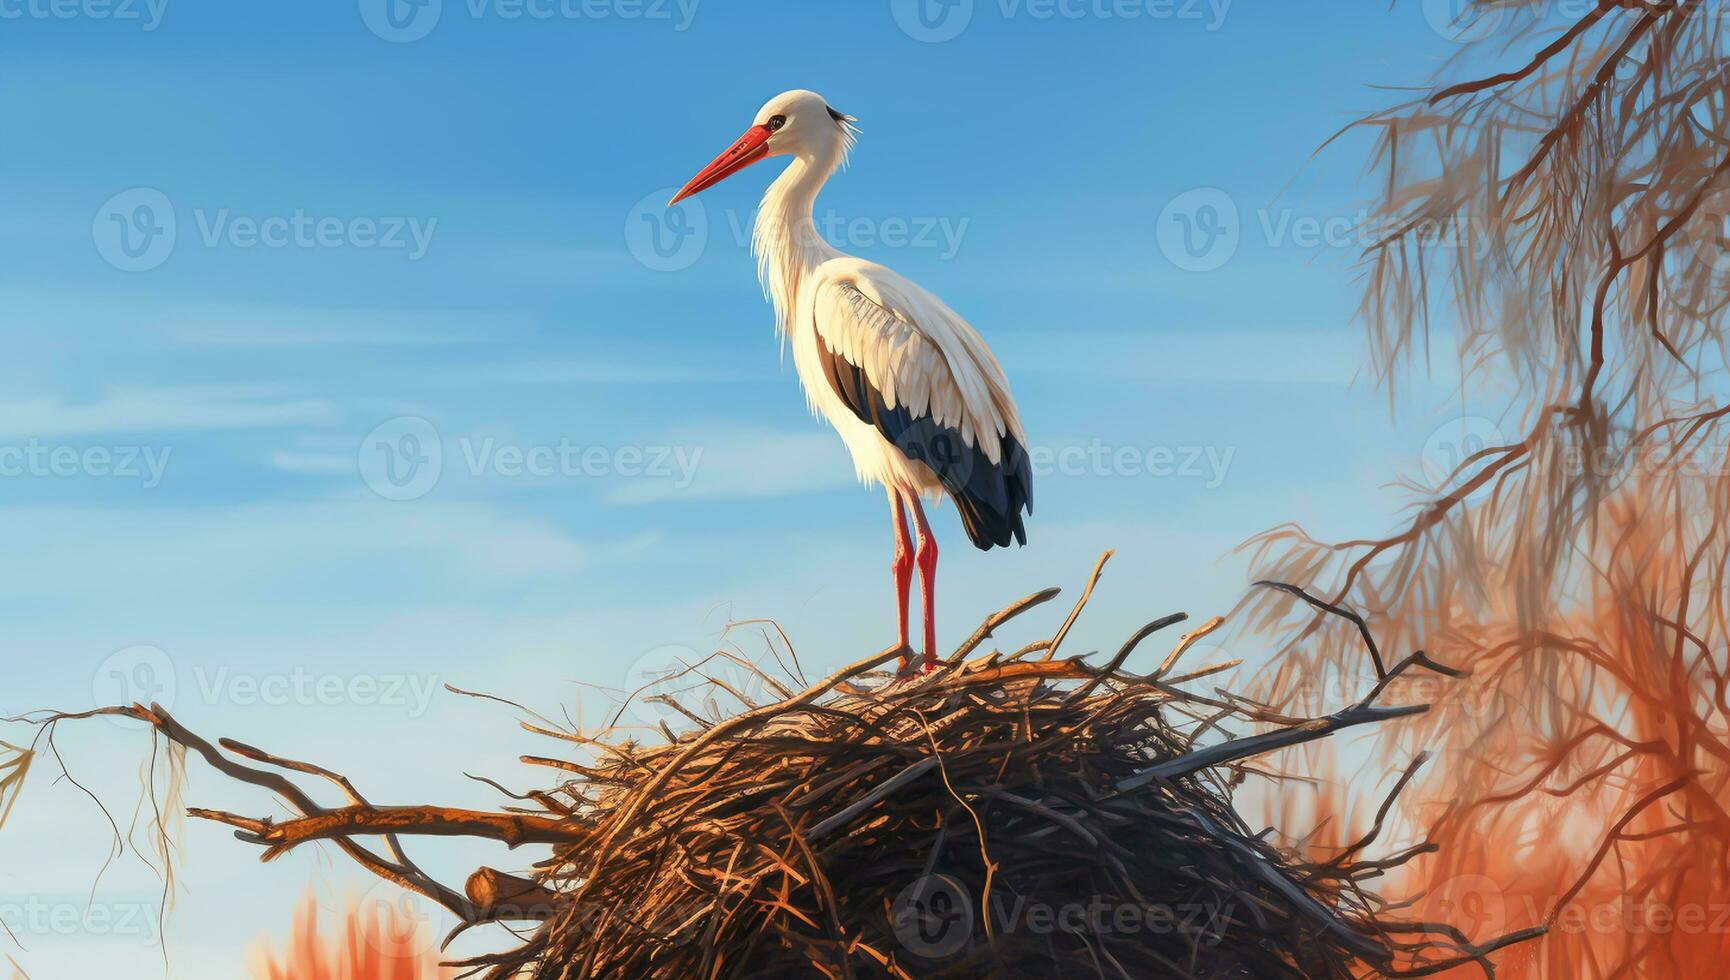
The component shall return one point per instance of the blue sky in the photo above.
(243, 248)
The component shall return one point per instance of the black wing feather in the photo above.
(990, 497)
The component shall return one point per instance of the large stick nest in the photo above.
(1010, 815)
(913, 828)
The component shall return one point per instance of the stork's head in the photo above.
(796, 123)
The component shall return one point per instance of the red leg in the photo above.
(927, 558)
(903, 569)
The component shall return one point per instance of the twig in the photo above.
(1253, 745)
(1080, 604)
(1337, 610)
(846, 816)
(998, 618)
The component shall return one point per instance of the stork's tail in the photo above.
(993, 498)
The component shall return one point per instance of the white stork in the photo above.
(918, 398)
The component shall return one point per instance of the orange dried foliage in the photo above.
(1600, 806)
(1581, 778)
(1574, 555)
(377, 941)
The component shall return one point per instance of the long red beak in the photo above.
(748, 149)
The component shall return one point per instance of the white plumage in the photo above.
(916, 352)
(922, 405)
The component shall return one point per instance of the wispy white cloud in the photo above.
(317, 453)
(286, 326)
(647, 369)
(312, 548)
(323, 464)
(164, 409)
(749, 463)
(104, 316)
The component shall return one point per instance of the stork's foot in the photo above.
(916, 666)
(906, 653)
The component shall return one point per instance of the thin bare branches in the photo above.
(1579, 565)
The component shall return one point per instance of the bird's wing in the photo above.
(911, 367)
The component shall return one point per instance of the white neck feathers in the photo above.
(785, 239)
